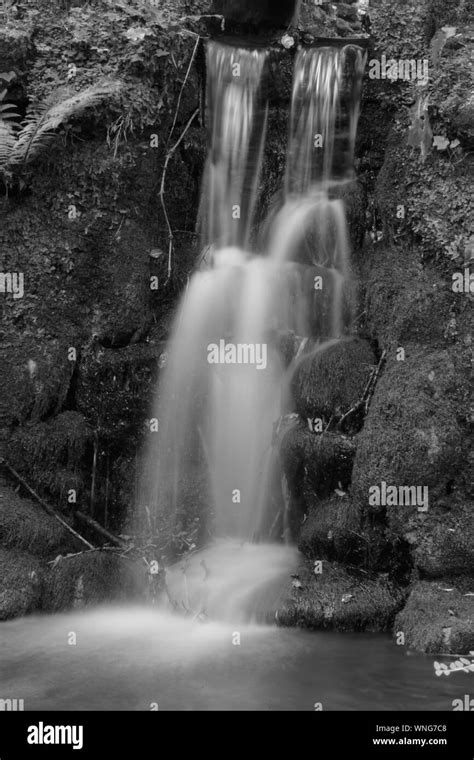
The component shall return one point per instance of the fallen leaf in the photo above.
(137, 33)
(440, 142)
(449, 31)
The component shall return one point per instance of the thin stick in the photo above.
(94, 469)
(46, 506)
(368, 392)
(184, 85)
(99, 529)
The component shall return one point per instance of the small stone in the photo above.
(287, 41)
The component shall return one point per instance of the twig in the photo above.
(99, 529)
(183, 86)
(112, 549)
(94, 470)
(364, 401)
(46, 506)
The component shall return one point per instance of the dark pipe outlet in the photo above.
(269, 13)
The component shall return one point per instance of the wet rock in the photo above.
(338, 601)
(115, 387)
(51, 454)
(354, 197)
(444, 542)
(25, 525)
(92, 578)
(437, 621)
(411, 436)
(332, 531)
(21, 577)
(315, 465)
(403, 301)
(330, 380)
(36, 377)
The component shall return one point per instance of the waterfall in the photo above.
(222, 391)
(237, 120)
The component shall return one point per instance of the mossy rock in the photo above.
(354, 197)
(26, 526)
(36, 374)
(315, 465)
(92, 578)
(404, 302)
(21, 578)
(411, 436)
(435, 194)
(338, 601)
(115, 388)
(436, 621)
(444, 542)
(332, 531)
(329, 381)
(51, 454)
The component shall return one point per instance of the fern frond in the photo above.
(7, 144)
(9, 126)
(42, 119)
(9, 113)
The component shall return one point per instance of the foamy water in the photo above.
(136, 659)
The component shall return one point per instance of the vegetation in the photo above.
(22, 140)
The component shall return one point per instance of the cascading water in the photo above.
(237, 119)
(225, 379)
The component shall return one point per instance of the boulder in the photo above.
(26, 526)
(332, 531)
(438, 618)
(92, 578)
(315, 465)
(411, 436)
(21, 579)
(51, 454)
(330, 380)
(338, 601)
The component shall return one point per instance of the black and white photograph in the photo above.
(236, 390)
